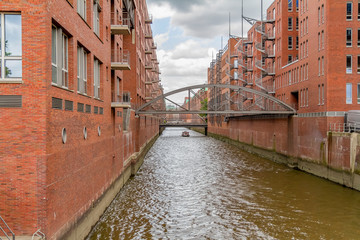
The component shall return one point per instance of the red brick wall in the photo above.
(45, 183)
(23, 130)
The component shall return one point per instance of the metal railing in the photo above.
(5, 229)
(344, 127)
(122, 97)
(118, 20)
(121, 57)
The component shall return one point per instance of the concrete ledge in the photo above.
(83, 226)
(342, 177)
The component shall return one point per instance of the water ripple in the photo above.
(200, 188)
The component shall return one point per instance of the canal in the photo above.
(201, 188)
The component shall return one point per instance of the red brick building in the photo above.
(72, 71)
(304, 53)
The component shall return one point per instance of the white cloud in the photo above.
(160, 39)
(185, 65)
(201, 23)
(161, 10)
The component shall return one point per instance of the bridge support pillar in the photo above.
(206, 129)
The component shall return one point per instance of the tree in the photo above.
(204, 106)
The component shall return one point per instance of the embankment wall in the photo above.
(302, 143)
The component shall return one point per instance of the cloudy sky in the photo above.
(189, 32)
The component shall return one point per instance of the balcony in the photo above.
(149, 19)
(148, 51)
(120, 61)
(148, 35)
(119, 26)
(121, 100)
(269, 52)
(148, 66)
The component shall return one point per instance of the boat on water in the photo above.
(185, 134)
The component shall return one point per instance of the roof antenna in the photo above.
(242, 18)
(229, 25)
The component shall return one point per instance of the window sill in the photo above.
(84, 20)
(98, 38)
(70, 3)
(83, 94)
(66, 89)
(18, 81)
(98, 99)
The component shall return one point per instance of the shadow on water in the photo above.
(200, 188)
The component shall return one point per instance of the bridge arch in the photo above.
(280, 107)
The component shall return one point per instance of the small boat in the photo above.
(185, 134)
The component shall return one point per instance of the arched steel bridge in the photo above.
(260, 102)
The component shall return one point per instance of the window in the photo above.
(297, 5)
(319, 41)
(358, 10)
(322, 13)
(307, 71)
(290, 43)
(348, 64)
(290, 23)
(358, 64)
(11, 48)
(81, 8)
(290, 5)
(307, 48)
(349, 11)
(358, 38)
(59, 57)
(358, 93)
(96, 78)
(319, 65)
(348, 93)
(322, 65)
(297, 42)
(96, 18)
(307, 97)
(289, 58)
(323, 93)
(307, 25)
(322, 39)
(348, 37)
(82, 70)
(319, 17)
(297, 24)
(319, 95)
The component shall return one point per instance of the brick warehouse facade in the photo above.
(304, 53)
(68, 129)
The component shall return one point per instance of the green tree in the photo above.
(204, 106)
(7, 70)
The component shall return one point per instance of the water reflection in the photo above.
(200, 188)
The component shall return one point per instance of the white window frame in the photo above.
(290, 47)
(348, 93)
(349, 17)
(348, 42)
(81, 70)
(348, 69)
(3, 57)
(61, 58)
(97, 78)
(358, 93)
(290, 5)
(81, 8)
(96, 16)
(290, 23)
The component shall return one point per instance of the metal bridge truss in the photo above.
(225, 99)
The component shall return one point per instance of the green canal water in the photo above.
(201, 188)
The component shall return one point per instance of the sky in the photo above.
(189, 32)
